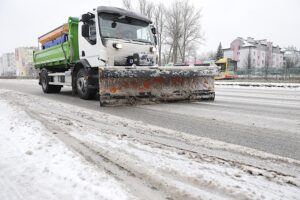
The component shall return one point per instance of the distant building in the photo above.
(254, 53)
(8, 67)
(24, 61)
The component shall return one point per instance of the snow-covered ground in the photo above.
(51, 150)
(34, 164)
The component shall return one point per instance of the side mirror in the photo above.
(85, 18)
(153, 30)
(114, 24)
(85, 30)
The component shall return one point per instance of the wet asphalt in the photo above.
(266, 119)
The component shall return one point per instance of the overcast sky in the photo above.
(22, 21)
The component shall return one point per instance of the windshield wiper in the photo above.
(145, 41)
(117, 38)
(112, 37)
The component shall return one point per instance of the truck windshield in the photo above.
(122, 27)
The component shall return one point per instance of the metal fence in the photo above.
(270, 73)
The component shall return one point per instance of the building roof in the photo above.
(251, 42)
(247, 44)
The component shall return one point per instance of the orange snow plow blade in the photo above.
(143, 85)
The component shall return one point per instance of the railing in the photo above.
(270, 73)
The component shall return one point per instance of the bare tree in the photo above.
(191, 27)
(291, 48)
(174, 29)
(191, 53)
(159, 18)
(178, 27)
(146, 8)
(290, 62)
(183, 28)
(127, 4)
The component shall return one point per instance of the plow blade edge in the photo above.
(121, 85)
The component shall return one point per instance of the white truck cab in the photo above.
(116, 37)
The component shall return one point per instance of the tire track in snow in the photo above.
(73, 118)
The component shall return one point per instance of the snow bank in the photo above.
(34, 164)
(257, 84)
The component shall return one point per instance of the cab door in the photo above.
(90, 44)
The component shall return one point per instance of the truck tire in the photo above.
(83, 91)
(44, 78)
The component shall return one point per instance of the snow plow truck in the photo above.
(112, 52)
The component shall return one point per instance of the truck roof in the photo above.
(115, 10)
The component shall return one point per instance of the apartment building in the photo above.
(24, 61)
(8, 66)
(254, 53)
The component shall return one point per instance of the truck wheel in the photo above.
(82, 86)
(45, 84)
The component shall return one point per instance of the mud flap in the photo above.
(143, 85)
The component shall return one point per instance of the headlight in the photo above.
(153, 49)
(117, 45)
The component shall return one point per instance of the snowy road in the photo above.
(47, 145)
(102, 153)
(265, 119)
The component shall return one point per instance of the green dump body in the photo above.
(62, 55)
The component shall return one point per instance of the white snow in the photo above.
(263, 85)
(188, 175)
(36, 165)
